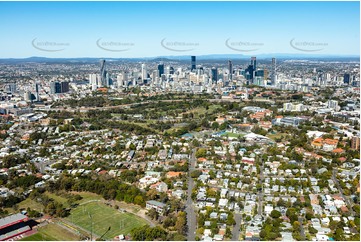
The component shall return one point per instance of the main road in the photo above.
(190, 210)
(86, 109)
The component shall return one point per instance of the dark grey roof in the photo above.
(156, 203)
(11, 219)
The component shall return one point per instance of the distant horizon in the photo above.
(151, 29)
(203, 56)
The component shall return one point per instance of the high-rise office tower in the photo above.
(214, 75)
(155, 76)
(93, 79)
(144, 72)
(193, 62)
(37, 96)
(273, 72)
(230, 70)
(64, 87)
(346, 78)
(59, 87)
(27, 96)
(55, 87)
(161, 69)
(250, 71)
(254, 63)
(11, 87)
(120, 80)
(103, 74)
(167, 70)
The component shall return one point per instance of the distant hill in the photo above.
(211, 57)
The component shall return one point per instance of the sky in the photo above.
(150, 29)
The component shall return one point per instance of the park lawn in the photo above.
(233, 135)
(37, 237)
(276, 135)
(52, 232)
(201, 110)
(57, 198)
(32, 204)
(104, 217)
(88, 196)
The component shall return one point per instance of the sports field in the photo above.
(233, 135)
(104, 217)
(52, 232)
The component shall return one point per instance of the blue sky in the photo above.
(139, 27)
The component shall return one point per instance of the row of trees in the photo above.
(147, 233)
(108, 187)
(13, 160)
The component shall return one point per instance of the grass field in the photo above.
(276, 135)
(233, 135)
(104, 217)
(87, 196)
(31, 203)
(52, 232)
(58, 199)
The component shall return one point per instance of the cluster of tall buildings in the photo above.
(100, 80)
(59, 87)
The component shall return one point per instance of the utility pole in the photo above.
(91, 226)
(101, 237)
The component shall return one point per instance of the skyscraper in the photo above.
(273, 72)
(103, 74)
(59, 87)
(144, 72)
(346, 78)
(254, 63)
(27, 96)
(251, 70)
(230, 70)
(120, 80)
(37, 96)
(214, 75)
(64, 87)
(55, 87)
(161, 69)
(193, 62)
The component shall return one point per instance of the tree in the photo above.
(181, 222)
(196, 173)
(312, 230)
(296, 226)
(146, 233)
(309, 216)
(275, 214)
(152, 213)
(139, 200)
(201, 152)
(215, 126)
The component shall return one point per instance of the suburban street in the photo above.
(302, 230)
(237, 228)
(341, 192)
(260, 193)
(191, 215)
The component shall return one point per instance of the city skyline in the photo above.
(94, 29)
